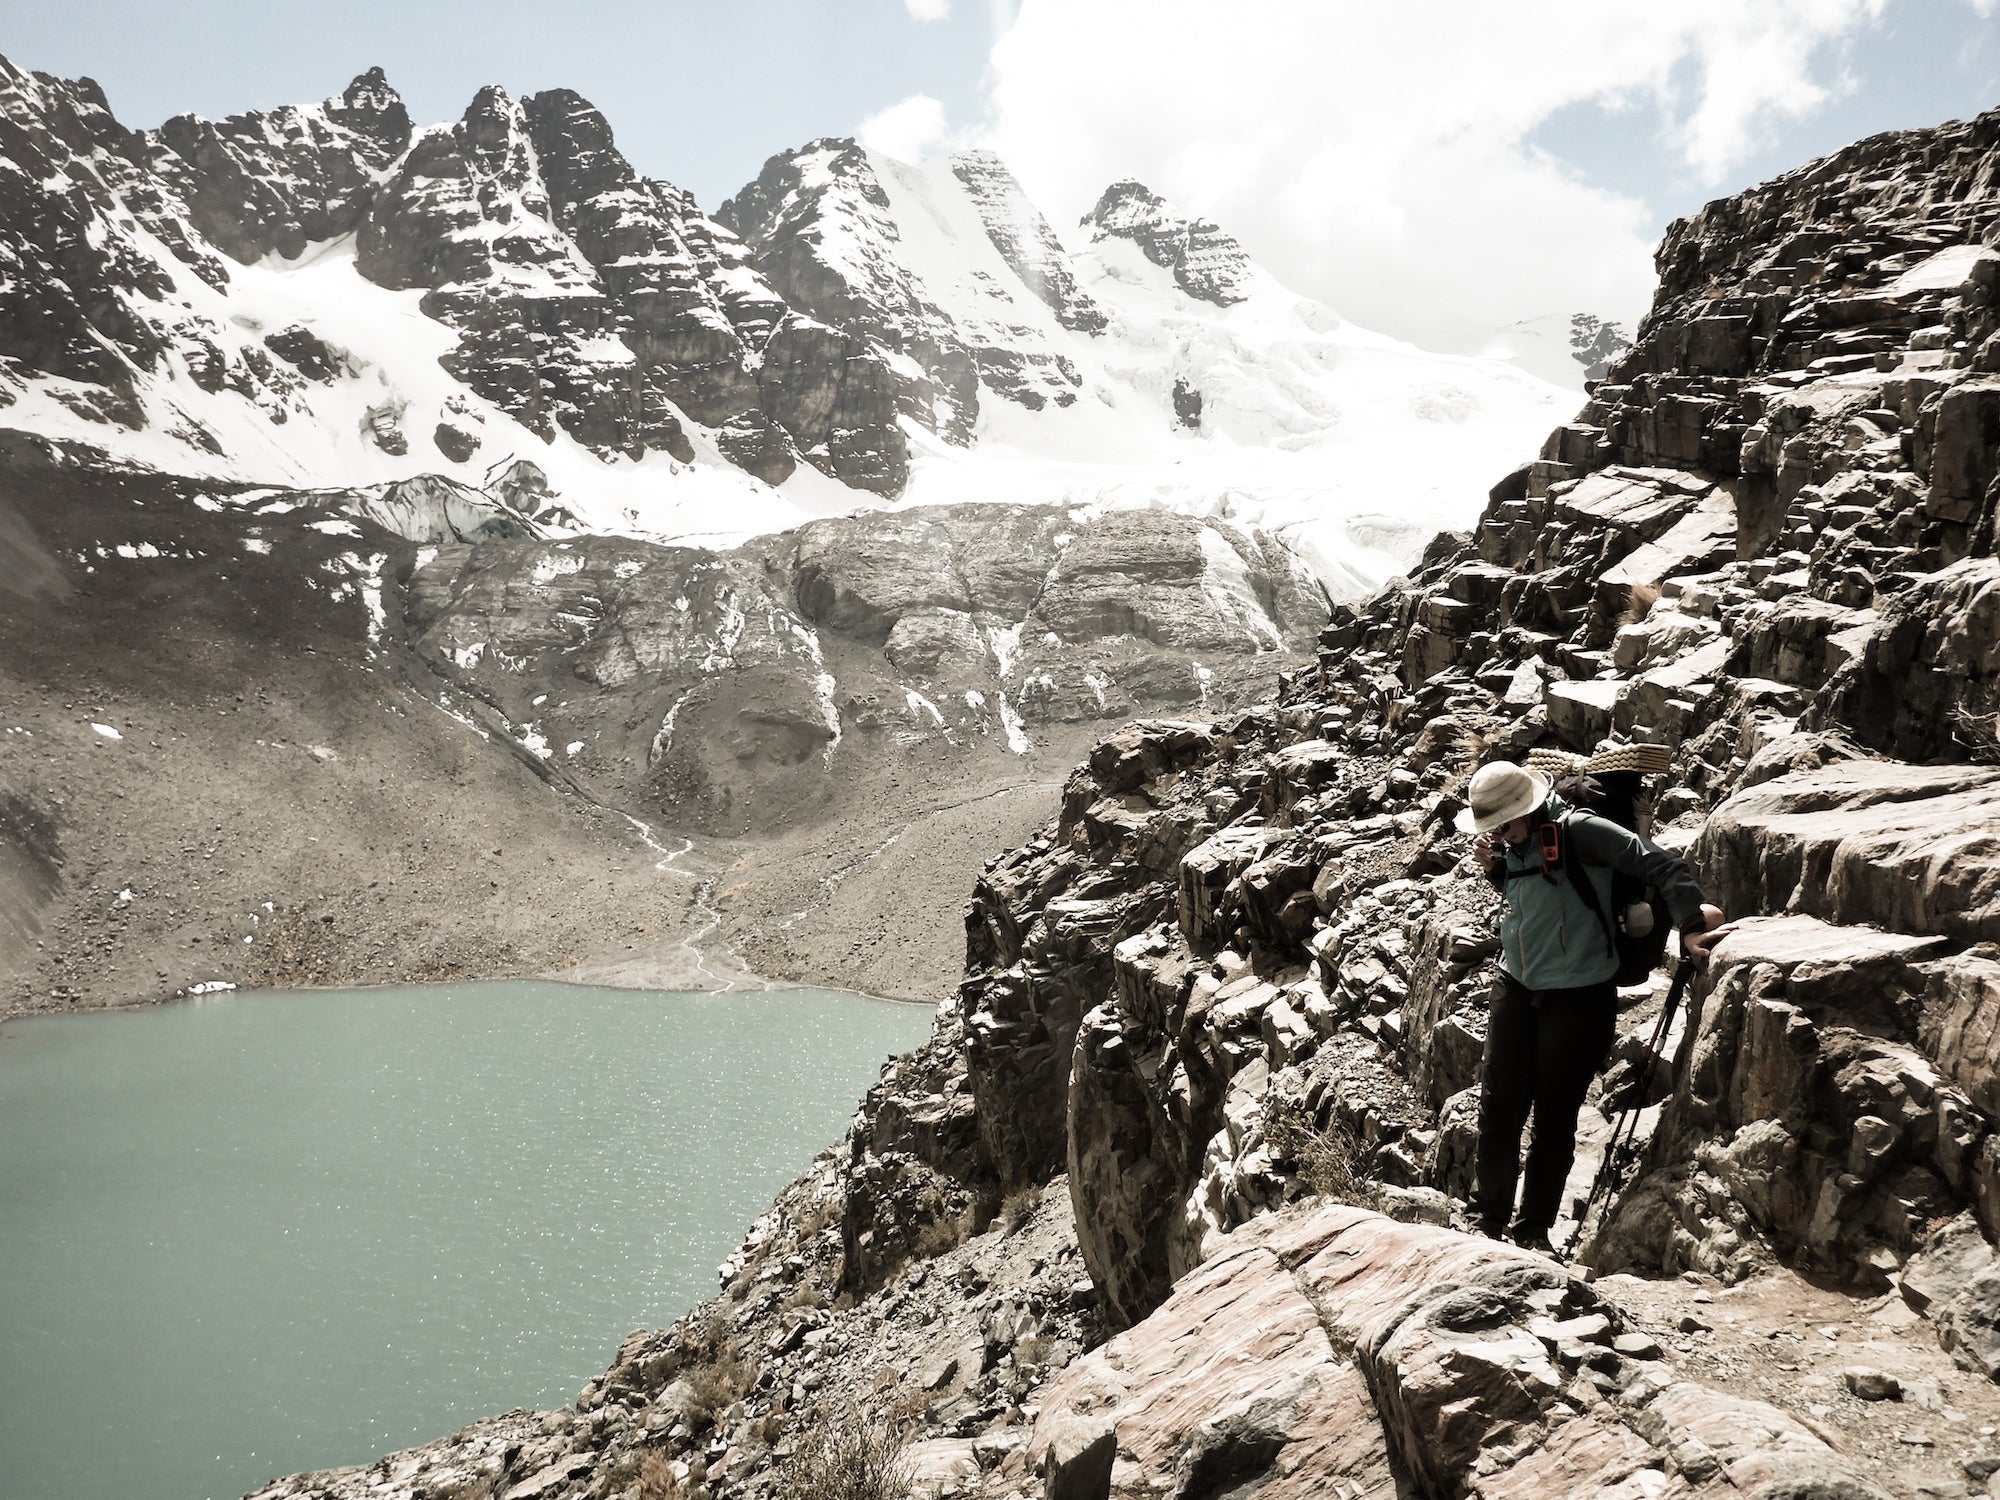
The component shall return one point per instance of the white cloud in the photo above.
(927, 10)
(1382, 157)
(909, 130)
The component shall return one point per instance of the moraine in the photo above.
(273, 1231)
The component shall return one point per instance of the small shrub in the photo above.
(1018, 1207)
(944, 1234)
(1328, 1160)
(656, 1477)
(821, 1213)
(1980, 737)
(716, 1385)
(805, 1294)
(845, 1456)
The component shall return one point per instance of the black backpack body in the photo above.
(1638, 921)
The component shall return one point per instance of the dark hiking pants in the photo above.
(1542, 1049)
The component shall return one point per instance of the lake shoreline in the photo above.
(404, 1212)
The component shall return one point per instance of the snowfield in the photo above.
(1353, 447)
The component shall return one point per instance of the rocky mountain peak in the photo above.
(1025, 241)
(1205, 260)
(574, 144)
(493, 134)
(818, 223)
(374, 112)
(280, 179)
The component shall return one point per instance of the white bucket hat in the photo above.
(1500, 793)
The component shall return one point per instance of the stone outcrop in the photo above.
(1332, 1351)
(727, 690)
(1248, 963)
(279, 180)
(581, 297)
(1204, 260)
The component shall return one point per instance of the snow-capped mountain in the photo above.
(330, 296)
(1566, 350)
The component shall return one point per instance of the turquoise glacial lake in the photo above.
(264, 1232)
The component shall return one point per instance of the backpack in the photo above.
(1611, 784)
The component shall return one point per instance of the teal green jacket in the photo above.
(1550, 940)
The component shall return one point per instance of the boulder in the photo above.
(1915, 849)
(1329, 1350)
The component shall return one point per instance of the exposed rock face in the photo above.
(66, 300)
(818, 222)
(1205, 261)
(1334, 1351)
(724, 688)
(823, 223)
(1248, 963)
(277, 180)
(1024, 238)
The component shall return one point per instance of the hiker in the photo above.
(1557, 1013)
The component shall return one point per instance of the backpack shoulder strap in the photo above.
(1585, 887)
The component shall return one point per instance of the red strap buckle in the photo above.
(1551, 851)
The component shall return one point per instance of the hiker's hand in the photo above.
(1486, 848)
(1696, 944)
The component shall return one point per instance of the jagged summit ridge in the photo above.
(278, 180)
(1024, 238)
(333, 295)
(1205, 260)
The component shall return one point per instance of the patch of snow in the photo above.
(556, 565)
(572, 747)
(107, 731)
(1225, 579)
(534, 741)
(1096, 685)
(1006, 648)
(467, 657)
(663, 740)
(210, 987)
(256, 544)
(823, 687)
(727, 634)
(919, 704)
(1011, 722)
(335, 528)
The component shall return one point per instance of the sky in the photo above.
(1433, 169)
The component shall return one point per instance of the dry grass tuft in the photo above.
(718, 1384)
(656, 1478)
(1018, 1207)
(846, 1456)
(1328, 1160)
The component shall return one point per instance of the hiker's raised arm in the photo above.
(1602, 842)
(1707, 930)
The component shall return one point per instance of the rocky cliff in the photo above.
(859, 685)
(335, 296)
(1243, 976)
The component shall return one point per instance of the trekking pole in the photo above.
(1623, 1144)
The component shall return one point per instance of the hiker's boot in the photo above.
(1536, 1240)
